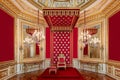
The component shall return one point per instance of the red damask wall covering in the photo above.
(114, 37)
(7, 37)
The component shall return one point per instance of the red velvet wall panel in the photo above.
(75, 42)
(47, 42)
(114, 39)
(7, 37)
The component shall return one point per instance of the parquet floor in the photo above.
(86, 74)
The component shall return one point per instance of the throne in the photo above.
(61, 61)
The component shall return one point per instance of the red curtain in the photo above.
(85, 49)
(47, 42)
(7, 37)
(75, 42)
(37, 49)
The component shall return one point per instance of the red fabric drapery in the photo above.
(75, 42)
(37, 49)
(85, 50)
(47, 42)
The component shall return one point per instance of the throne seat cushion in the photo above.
(61, 64)
(52, 67)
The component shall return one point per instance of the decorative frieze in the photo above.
(3, 73)
(12, 70)
(109, 69)
(62, 11)
(117, 72)
(113, 69)
(91, 18)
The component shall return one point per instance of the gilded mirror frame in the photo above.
(23, 26)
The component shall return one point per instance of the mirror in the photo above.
(92, 49)
(94, 46)
(31, 49)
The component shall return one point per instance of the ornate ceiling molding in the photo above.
(46, 4)
(86, 5)
(112, 8)
(100, 12)
(91, 18)
(8, 6)
(38, 5)
(107, 11)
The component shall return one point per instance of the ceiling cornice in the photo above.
(91, 18)
(86, 5)
(112, 8)
(8, 5)
(108, 11)
(40, 6)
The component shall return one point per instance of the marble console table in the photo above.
(90, 62)
(31, 62)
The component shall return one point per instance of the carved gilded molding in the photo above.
(90, 2)
(3, 73)
(82, 5)
(62, 11)
(112, 8)
(12, 70)
(7, 63)
(91, 18)
(9, 6)
(117, 72)
(113, 71)
(108, 11)
(7, 72)
(109, 69)
(6, 9)
(40, 6)
(114, 63)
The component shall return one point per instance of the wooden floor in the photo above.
(86, 74)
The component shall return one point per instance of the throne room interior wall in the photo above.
(7, 45)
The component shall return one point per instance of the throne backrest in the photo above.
(61, 58)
